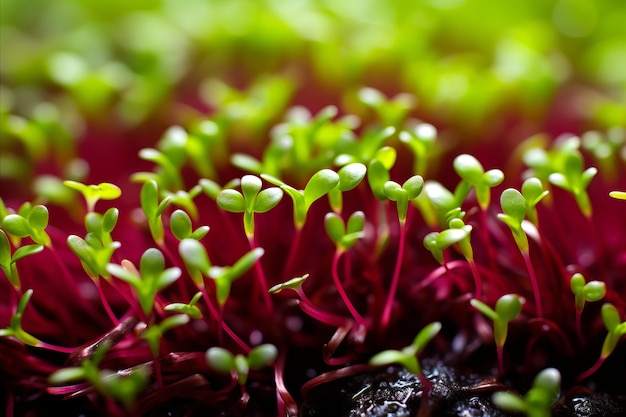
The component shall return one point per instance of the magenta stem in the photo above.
(262, 281)
(477, 280)
(221, 323)
(591, 370)
(105, 302)
(500, 352)
(359, 319)
(533, 282)
(293, 251)
(395, 279)
(579, 329)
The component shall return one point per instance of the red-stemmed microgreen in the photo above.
(167, 175)
(153, 334)
(239, 366)
(121, 386)
(181, 226)
(198, 264)
(365, 148)
(538, 401)
(474, 176)
(583, 292)
(29, 221)
(378, 170)
(616, 330)
(458, 233)
(8, 260)
(533, 193)
(420, 140)
(507, 308)
(249, 201)
(153, 208)
(190, 308)
(15, 329)
(390, 112)
(514, 212)
(151, 277)
(574, 179)
(401, 194)
(184, 199)
(93, 193)
(350, 176)
(408, 356)
(344, 237)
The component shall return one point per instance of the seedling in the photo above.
(15, 328)
(94, 193)
(153, 334)
(153, 209)
(474, 176)
(120, 386)
(514, 207)
(8, 260)
(507, 308)
(181, 227)
(538, 401)
(344, 237)
(533, 193)
(29, 222)
(574, 179)
(616, 330)
(151, 277)
(401, 195)
(585, 291)
(408, 357)
(350, 176)
(239, 366)
(190, 309)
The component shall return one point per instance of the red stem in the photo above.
(258, 269)
(293, 251)
(359, 319)
(591, 370)
(221, 323)
(396, 277)
(533, 282)
(105, 302)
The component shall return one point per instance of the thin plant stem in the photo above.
(342, 292)
(293, 251)
(221, 323)
(500, 352)
(105, 302)
(262, 281)
(591, 370)
(533, 282)
(484, 232)
(579, 329)
(396, 277)
(477, 280)
(61, 349)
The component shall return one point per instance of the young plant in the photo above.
(616, 330)
(514, 212)
(408, 357)
(153, 334)
(538, 401)
(8, 260)
(150, 279)
(16, 331)
(344, 237)
(181, 227)
(121, 386)
(93, 193)
(533, 193)
(153, 209)
(574, 179)
(190, 309)
(420, 140)
(350, 176)
(507, 308)
(30, 222)
(401, 194)
(585, 291)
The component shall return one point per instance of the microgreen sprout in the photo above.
(574, 179)
(94, 193)
(514, 212)
(223, 361)
(401, 194)
(153, 333)
(16, 330)
(181, 227)
(30, 221)
(121, 386)
(420, 140)
(506, 309)
(538, 401)
(616, 330)
(344, 237)
(190, 309)
(408, 356)
(249, 201)
(474, 176)
(533, 193)
(153, 209)
(8, 260)
(585, 291)
(350, 176)
(151, 277)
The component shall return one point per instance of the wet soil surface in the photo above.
(394, 392)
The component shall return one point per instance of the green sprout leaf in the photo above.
(538, 401)
(533, 193)
(15, 327)
(514, 207)
(153, 209)
(292, 284)
(615, 327)
(344, 237)
(94, 193)
(225, 276)
(507, 308)
(189, 309)
(180, 225)
(586, 291)
(153, 333)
